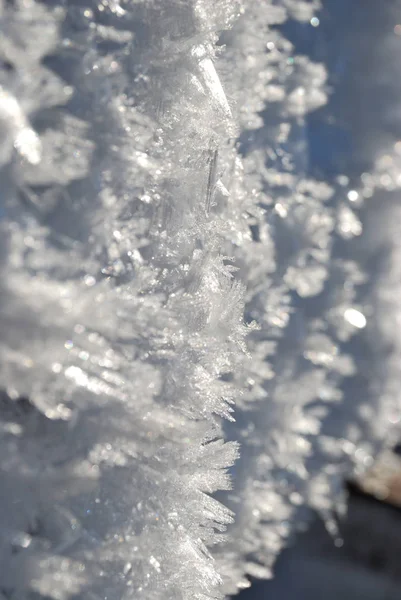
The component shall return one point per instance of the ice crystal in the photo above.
(120, 316)
(171, 286)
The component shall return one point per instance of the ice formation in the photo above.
(175, 282)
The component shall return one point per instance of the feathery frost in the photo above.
(168, 263)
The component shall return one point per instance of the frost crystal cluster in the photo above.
(178, 289)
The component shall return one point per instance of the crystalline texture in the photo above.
(117, 303)
(162, 246)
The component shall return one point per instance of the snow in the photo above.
(162, 245)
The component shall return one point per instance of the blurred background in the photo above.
(357, 40)
(361, 563)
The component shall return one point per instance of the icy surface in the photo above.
(162, 247)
